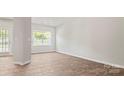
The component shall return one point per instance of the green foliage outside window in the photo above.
(40, 35)
(3, 34)
(3, 37)
(41, 38)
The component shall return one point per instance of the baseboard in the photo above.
(91, 59)
(43, 52)
(5, 54)
(20, 63)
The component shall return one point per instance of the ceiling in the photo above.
(45, 21)
(49, 21)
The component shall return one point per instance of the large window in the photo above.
(4, 40)
(41, 38)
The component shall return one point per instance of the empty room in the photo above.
(61, 46)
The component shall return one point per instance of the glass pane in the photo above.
(41, 38)
(4, 40)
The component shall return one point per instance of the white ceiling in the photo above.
(6, 18)
(46, 21)
(49, 21)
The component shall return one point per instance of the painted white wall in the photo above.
(99, 39)
(52, 47)
(22, 40)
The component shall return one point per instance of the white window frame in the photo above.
(41, 44)
(48, 48)
(7, 24)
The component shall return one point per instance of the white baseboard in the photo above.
(43, 52)
(5, 54)
(20, 63)
(91, 59)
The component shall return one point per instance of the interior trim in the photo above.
(91, 59)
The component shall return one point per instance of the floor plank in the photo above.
(57, 64)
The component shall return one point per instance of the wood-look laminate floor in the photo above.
(56, 64)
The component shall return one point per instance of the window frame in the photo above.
(9, 39)
(41, 44)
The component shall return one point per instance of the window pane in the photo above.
(41, 38)
(4, 40)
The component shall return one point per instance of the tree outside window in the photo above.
(41, 38)
(4, 39)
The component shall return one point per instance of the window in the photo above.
(41, 38)
(4, 40)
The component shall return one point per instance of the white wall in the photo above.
(52, 47)
(22, 40)
(99, 39)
